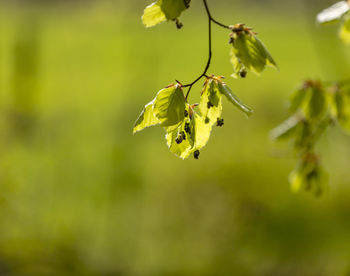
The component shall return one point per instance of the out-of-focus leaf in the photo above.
(210, 105)
(317, 105)
(309, 176)
(163, 10)
(297, 99)
(146, 118)
(169, 106)
(333, 13)
(251, 52)
(345, 31)
(225, 90)
(341, 102)
(286, 129)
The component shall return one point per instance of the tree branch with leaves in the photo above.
(188, 126)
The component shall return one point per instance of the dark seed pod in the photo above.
(209, 105)
(179, 25)
(187, 128)
(187, 3)
(186, 113)
(207, 120)
(231, 41)
(196, 154)
(243, 73)
(179, 139)
(220, 122)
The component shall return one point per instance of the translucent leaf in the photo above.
(163, 10)
(238, 68)
(286, 129)
(333, 13)
(225, 90)
(317, 105)
(210, 105)
(169, 106)
(196, 134)
(252, 53)
(184, 148)
(153, 15)
(146, 118)
(345, 31)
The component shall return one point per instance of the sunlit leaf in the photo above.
(251, 52)
(333, 13)
(169, 105)
(146, 118)
(210, 105)
(153, 15)
(163, 10)
(239, 70)
(225, 90)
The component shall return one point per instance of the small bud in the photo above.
(207, 120)
(220, 122)
(187, 3)
(209, 105)
(186, 113)
(231, 41)
(196, 154)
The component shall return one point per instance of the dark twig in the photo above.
(204, 74)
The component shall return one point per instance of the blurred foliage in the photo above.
(80, 195)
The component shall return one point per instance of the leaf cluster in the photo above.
(188, 126)
(314, 107)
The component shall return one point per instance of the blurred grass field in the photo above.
(81, 195)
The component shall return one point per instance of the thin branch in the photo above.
(204, 74)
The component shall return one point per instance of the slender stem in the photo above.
(204, 74)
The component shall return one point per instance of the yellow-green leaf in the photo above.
(345, 31)
(210, 105)
(146, 118)
(169, 105)
(153, 15)
(225, 90)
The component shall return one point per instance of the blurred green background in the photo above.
(81, 195)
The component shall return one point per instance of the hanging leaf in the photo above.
(191, 135)
(341, 101)
(333, 13)
(163, 10)
(210, 105)
(317, 105)
(345, 31)
(287, 128)
(309, 176)
(239, 70)
(249, 51)
(146, 118)
(298, 99)
(225, 90)
(169, 105)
